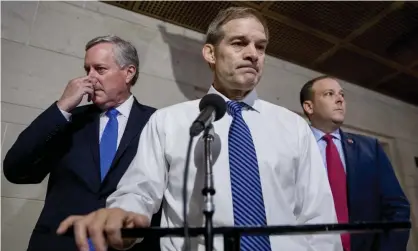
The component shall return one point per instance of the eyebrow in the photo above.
(342, 90)
(95, 65)
(241, 37)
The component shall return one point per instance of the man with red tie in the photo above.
(362, 180)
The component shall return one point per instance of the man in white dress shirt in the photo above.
(281, 159)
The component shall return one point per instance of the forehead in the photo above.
(248, 27)
(326, 84)
(100, 53)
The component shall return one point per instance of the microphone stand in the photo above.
(208, 190)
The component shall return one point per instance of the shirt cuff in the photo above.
(67, 115)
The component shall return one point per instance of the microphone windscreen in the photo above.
(215, 101)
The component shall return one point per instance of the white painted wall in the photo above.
(43, 48)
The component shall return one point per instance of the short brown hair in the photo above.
(306, 92)
(215, 33)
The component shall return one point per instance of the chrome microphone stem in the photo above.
(208, 189)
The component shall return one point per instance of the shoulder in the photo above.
(288, 124)
(179, 109)
(361, 139)
(281, 113)
(364, 143)
(176, 114)
(149, 110)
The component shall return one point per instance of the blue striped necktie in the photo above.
(247, 194)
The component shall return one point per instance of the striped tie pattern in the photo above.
(247, 194)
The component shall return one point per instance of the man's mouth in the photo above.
(249, 69)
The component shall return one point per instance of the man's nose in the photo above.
(251, 53)
(92, 73)
(339, 98)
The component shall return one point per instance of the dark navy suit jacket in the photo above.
(374, 193)
(69, 153)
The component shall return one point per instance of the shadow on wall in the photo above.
(192, 74)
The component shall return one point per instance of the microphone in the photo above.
(212, 108)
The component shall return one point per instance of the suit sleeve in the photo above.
(394, 204)
(141, 188)
(31, 157)
(314, 201)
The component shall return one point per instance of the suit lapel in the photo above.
(93, 139)
(133, 127)
(87, 164)
(93, 135)
(349, 146)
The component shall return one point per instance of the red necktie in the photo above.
(337, 181)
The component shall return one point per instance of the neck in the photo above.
(115, 103)
(231, 94)
(122, 98)
(326, 128)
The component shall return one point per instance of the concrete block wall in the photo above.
(43, 48)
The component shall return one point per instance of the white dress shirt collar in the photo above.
(319, 134)
(124, 109)
(251, 99)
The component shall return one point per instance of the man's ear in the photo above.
(308, 107)
(130, 73)
(208, 53)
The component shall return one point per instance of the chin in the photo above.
(100, 102)
(338, 120)
(247, 84)
(97, 100)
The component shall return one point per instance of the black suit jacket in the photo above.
(374, 193)
(69, 153)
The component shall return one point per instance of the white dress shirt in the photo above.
(124, 110)
(293, 179)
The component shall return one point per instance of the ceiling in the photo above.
(372, 44)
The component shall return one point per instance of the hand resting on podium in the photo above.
(103, 227)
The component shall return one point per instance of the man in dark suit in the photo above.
(86, 149)
(362, 180)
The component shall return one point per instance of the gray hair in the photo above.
(125, 52)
